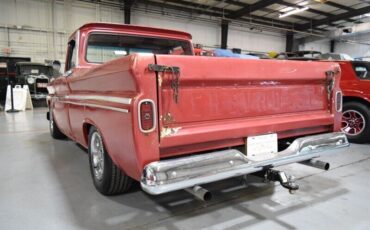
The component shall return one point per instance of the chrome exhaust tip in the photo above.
(200, 193)
(317, 164)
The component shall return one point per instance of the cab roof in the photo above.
(142, 30)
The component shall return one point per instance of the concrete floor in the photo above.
(46, 184)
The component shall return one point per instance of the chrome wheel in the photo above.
(353, 122)
(97, 155)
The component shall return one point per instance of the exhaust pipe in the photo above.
(200, 193)
(317, 164)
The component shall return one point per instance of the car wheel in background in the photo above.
(355, 122)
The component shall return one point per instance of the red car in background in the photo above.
(355, 84)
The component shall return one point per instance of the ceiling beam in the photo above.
(217, 12)
(339, 6)
(270, 11)
(334, 18)
(283, 3)
(319, 12)
(246, 10)
(189, 4)
(182, 5)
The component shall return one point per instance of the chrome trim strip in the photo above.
(154, 116)
(341, 101)
(120, 100)
(97, 106)
(77, 47)
(185, 172)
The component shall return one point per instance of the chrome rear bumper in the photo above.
(180, 173)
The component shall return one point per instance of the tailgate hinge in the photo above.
(175, 77)
(163, 68)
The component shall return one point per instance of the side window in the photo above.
(362, 72)
(72, 55)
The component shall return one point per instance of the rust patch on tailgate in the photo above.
(166, 132)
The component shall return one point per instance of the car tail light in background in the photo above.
(147, 116)
(339, 101)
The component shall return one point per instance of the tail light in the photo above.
(338, 101)
(147, 116)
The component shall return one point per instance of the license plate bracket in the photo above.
(261, 147)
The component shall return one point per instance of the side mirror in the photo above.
(68, 73)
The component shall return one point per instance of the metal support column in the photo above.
(127, 11)
(224, 33)
(289, 41)
(332, 46)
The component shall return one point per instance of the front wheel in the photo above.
(355, 122)
(108, 178)
(54, 130)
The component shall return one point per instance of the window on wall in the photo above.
(362, 70)
(106, 47)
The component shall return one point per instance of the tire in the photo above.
(107, 177)
(355, 122)
(54, 130)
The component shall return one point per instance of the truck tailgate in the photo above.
(221, 101)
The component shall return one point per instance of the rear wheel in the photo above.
(54, 130)
(108, 178)
(355, 122)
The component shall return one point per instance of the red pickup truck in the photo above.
(355, 84)
(148, 110)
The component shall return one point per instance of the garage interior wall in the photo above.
(323, 46)
(40, 28)
(357, 48)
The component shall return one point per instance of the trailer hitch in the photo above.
(287, 181)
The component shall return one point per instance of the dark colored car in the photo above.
(8, 72)
(36, 75)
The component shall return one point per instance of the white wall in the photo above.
(357, 50)
(39, 28)
(252, 40)
(208, 34)
(358, 47)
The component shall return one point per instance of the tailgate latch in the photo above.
(330, 82)
(174, 72)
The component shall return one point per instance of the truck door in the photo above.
(62, 90)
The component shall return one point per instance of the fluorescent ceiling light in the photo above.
(302, 3)
(287, 9)
(295, 11)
